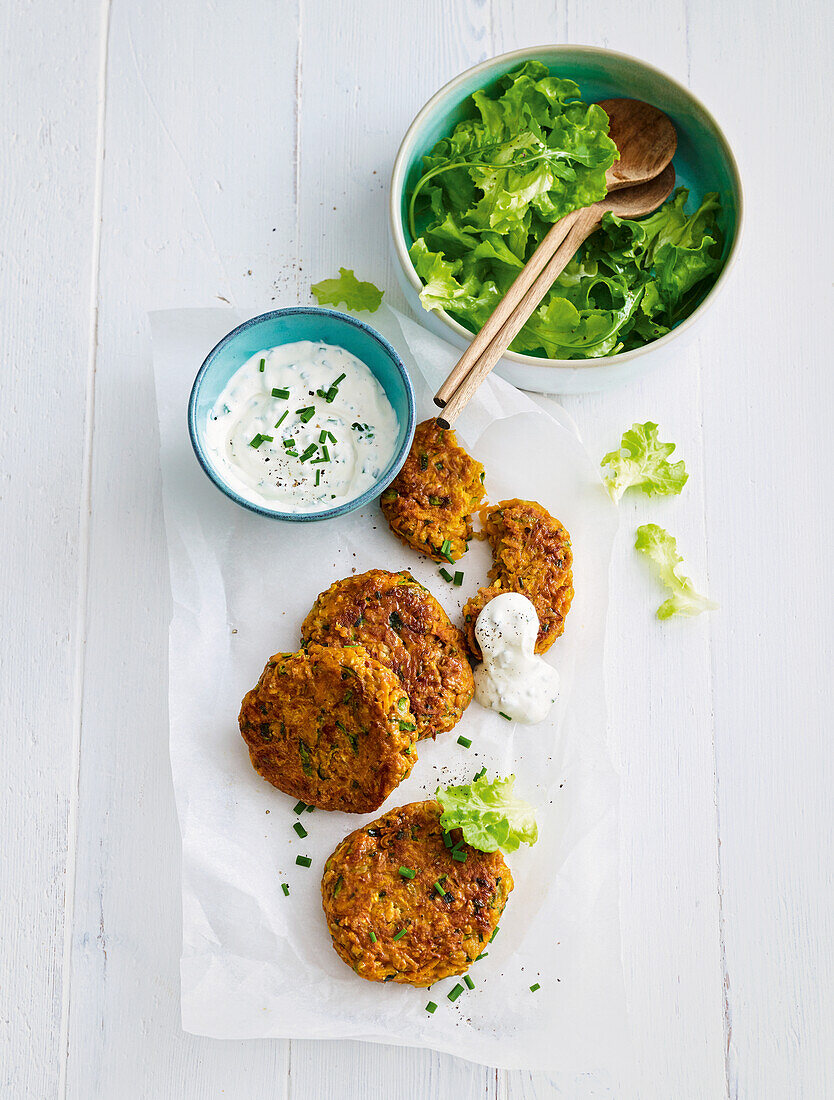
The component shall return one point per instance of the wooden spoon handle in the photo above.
(523, 281)
(522, 305)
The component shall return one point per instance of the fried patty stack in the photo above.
(429, 504)
(401, 625)
(532, 555)
(401, 907)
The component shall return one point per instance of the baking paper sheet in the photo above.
(256, 963)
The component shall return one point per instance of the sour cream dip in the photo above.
(512, 679)
(302, 427)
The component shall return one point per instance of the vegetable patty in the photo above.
(430, 502)
(402, 626)
(532, 555)
(330, 726)
(406, 903)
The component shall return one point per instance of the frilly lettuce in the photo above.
(642, 462)
(532, 152)
(488, 814)
(349, 290)
(662, 550)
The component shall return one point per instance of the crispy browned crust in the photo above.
(532, 555)
(432, 498)
(402, 626)
(330, 726)
(363, 891)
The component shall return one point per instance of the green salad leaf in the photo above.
(530, 152)
(489, 815)
(642, 462)
(662, 550)
(348, 289)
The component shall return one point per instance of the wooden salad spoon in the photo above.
(631, 202)
(646, 140)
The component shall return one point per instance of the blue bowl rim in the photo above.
(301, 517)
(508, 60)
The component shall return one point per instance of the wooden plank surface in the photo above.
(238, 152)
(48, 154)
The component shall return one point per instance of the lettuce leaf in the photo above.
(349, 290)
(529, 153)
(662, 551)
(642, 462)
(488, 814)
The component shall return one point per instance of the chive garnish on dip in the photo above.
(262, 365)
(280, 393)
(307, 413)
(259, 439)
(535, 987)
(282, 418)
(286, 889)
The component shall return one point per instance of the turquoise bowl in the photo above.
(703, 162)
(285, 326)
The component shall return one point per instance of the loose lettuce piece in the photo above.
(642, 462)
(531, 152)
(488, 814)
(348, 289)
(662, 550)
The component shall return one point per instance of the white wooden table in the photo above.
(159, 154)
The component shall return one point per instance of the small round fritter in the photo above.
(330, 726)
(430, 502)
(531, 554)
(426, 927)
(402, 626)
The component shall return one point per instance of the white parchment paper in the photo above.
(256, 963)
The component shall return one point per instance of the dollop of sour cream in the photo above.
(512, 679)
(303, 426)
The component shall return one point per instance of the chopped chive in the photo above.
(469, 983)
(322, 437)
(460, 857)
(299, 807)
(406, 872)
(282, 418)
(318, 476)
(494, 934)
(341, 378)
(445, 574)
(447, 839)
(283, 394)
(446, 550)
(332, 437)
(286, 889)
(310, 809)
(259, 439)
(431, 1007)
(440, 889)
(503, 715)
(299, 828)
(534, 987)
(262, 365)
(308, 452)
(325, 454)
(453, 994)
(407, 726)
(482, 955)
(330, 395)
(399, 935)
(465, 741)
(479, 775)
(288, 442)
(291, 454)
(303, 861)
(307, 413)
(458, 579)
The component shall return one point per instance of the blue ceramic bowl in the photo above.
(703, 162)
(285, 326)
